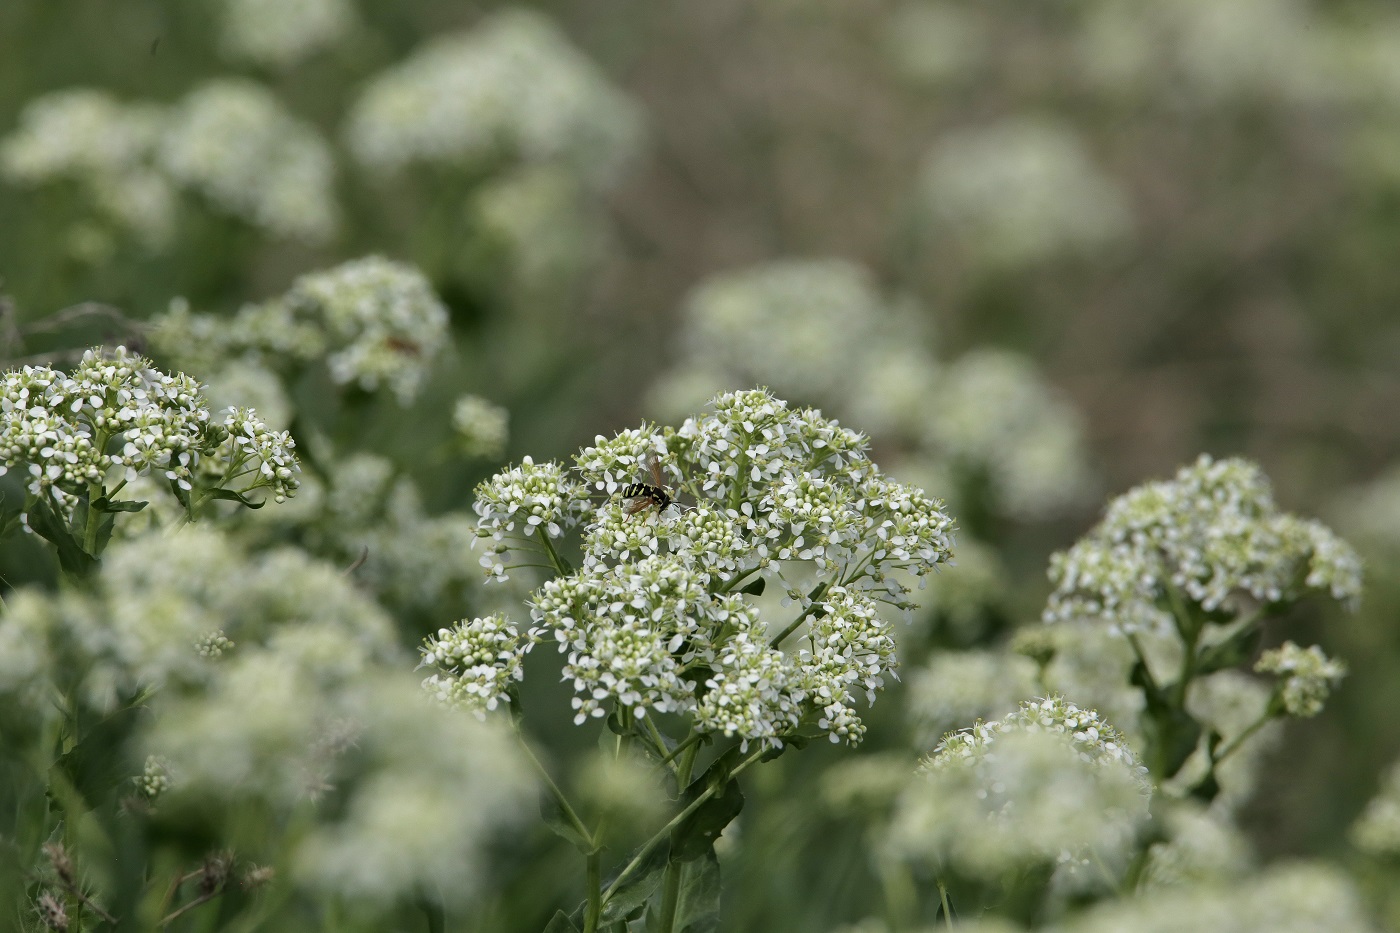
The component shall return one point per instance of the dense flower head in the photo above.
(513, 88)
(381, 319)
(253, 456)
(232, 141)
(376, 323)
(518, 503)
(664, 614)
(116, 416)
(279, 32)
(170, 609)
(104, 145)
(1209, 534)
(1306, 676)
(1050, 784)
(477, 660)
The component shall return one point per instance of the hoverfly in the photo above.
(646, 495)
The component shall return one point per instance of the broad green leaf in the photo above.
(697, 909)
(631, 896)
(560, 923)
(47, 525)
(555, 818)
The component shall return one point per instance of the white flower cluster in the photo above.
(1307, 676)
(116, 415)
(820, 331)
(381, 319)
(1051, 784)
(513, 88)
(482, 427)
(114, 412)
(1018, 193)
(103, 145)
(1290, 898)
(477, 660)
(154, 778)
(1207, 535)
(1249, 51)
(519, 503)
(147, 622)
(377, 323)
(233, 141)
(660, 618)
(230, 140)
(1377, 831)
(281, 32)
(253, 456)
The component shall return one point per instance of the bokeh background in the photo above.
(1040, 253)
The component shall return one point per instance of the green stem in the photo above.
(812, 597)
(558, 794)
(739, 578)
(671, 883)
(687, 744)
(1240, 739)
(90, 527)
(943, 899)
(594, 910)
(665, 831)
(660, 742)
(554, 558)
(1142, 659)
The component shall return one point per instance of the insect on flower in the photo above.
(645, 495)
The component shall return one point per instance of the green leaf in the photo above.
(630, 898)
(755, 588)
(697, 909)
(47, 525)
(1171, 733)
(183, 495)
(555, 818)
(103, 504)
(696, 835)
(96, 766)
(230, 496)
(560, 923)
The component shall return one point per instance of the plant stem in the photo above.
(558, 794)
(675, 821)
(943, 899)
(1240, 739)
(594, 910)
(812, 597)
(671, 884)
(554, 558)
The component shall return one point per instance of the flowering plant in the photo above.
(669, 626)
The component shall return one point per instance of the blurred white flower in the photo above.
(232, 141)
(1288, 898)
(1050, 785)
(1207, 535)
(104, 145)
(280, 32)
(513, 88)
(1018, 193)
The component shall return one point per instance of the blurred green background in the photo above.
(1181, 216)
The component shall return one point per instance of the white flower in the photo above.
(232, 141)
(1306, 676)
(1211, 533)
(513, 88)
(477, 660)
